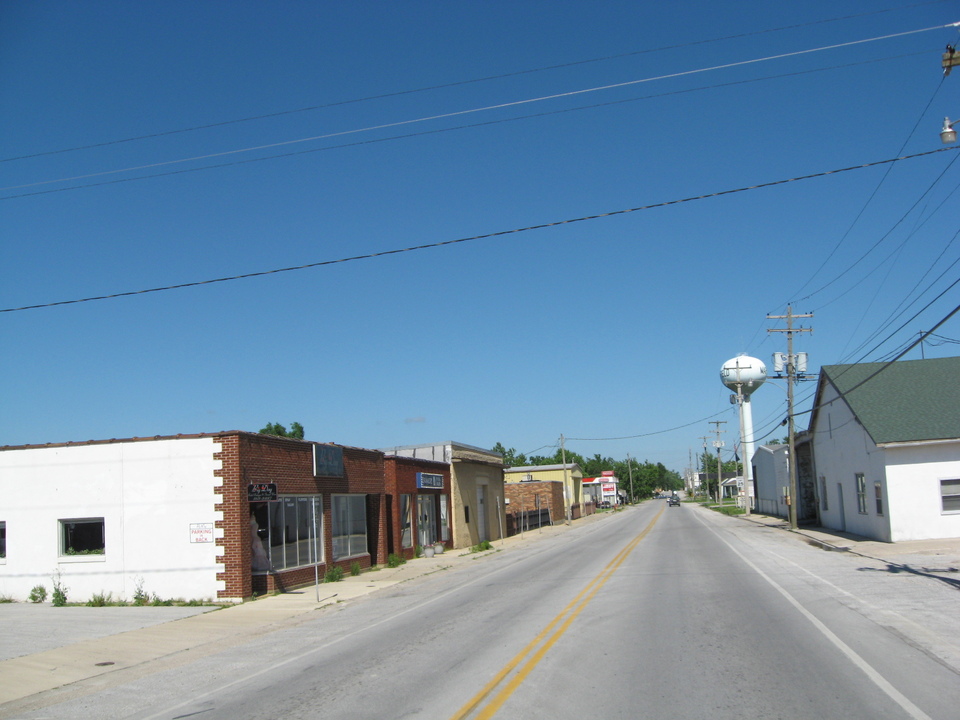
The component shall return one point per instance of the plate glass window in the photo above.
(289, 528)
(3, 539)
(349, 526)
(406, 525)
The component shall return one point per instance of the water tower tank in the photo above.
(743, 369)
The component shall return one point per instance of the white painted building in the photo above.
(106, 517)
(771, 476)
(886, 445)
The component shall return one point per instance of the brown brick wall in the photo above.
(523, 497)
(401, 479)
(253, 458)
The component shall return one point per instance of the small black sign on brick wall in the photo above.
(261, 492)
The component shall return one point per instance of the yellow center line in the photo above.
(574, 608)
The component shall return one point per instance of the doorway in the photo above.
(482, 533)
(426, 520)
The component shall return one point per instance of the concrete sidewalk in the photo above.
(939, 557)
(117, 638)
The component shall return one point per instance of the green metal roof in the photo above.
(905, 401)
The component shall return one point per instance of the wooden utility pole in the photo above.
(791, 366)
(568, 493)
(718, 443)
(702, 465)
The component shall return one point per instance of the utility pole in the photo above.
(718, 443)
(791, 366)
(566, 491)
(702, 465)
(630, 475)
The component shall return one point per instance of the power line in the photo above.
(484, 236)
(654, 432)
(438, 131)
(459, 83)
(487, 108)
(866, 204)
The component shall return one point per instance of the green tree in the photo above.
(511, 458)
(295, 431)
(638, 480)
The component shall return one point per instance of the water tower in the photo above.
(744, 374)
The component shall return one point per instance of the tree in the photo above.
(647, 477)
(295, 432)
(511, 458)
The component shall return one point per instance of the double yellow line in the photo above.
(541, 644)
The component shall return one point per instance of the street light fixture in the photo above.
(948, 135)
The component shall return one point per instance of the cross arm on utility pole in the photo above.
(791, 378)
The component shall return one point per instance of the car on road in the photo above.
(674, 500)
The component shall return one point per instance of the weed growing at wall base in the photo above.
(334, 574)
(59, 598)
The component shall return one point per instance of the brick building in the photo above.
(532, 504)
(418, 502)
(214, 516)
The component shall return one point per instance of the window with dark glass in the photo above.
(82, 536)
(861, 494)
(3, 539)
(289, 531)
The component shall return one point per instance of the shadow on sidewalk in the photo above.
(896, 568)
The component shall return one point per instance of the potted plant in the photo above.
(438, 547)
(428, 551)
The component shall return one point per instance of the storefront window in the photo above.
(349, 526)
(406, 517)
(444, 520)
(286, 533)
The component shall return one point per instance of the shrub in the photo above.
(482, 547)
(6, 599)
(38, 594)
(100, 599)
(394, 560)
(355, 568)
(334, 574)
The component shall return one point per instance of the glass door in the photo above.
(426, 520)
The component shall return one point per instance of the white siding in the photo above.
(773, 474)
(842, 449)
(147, 492)
(913, 487)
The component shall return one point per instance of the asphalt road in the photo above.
(655, 612)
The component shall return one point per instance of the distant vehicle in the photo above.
(674, 500)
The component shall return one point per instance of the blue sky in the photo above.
(344, 130)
